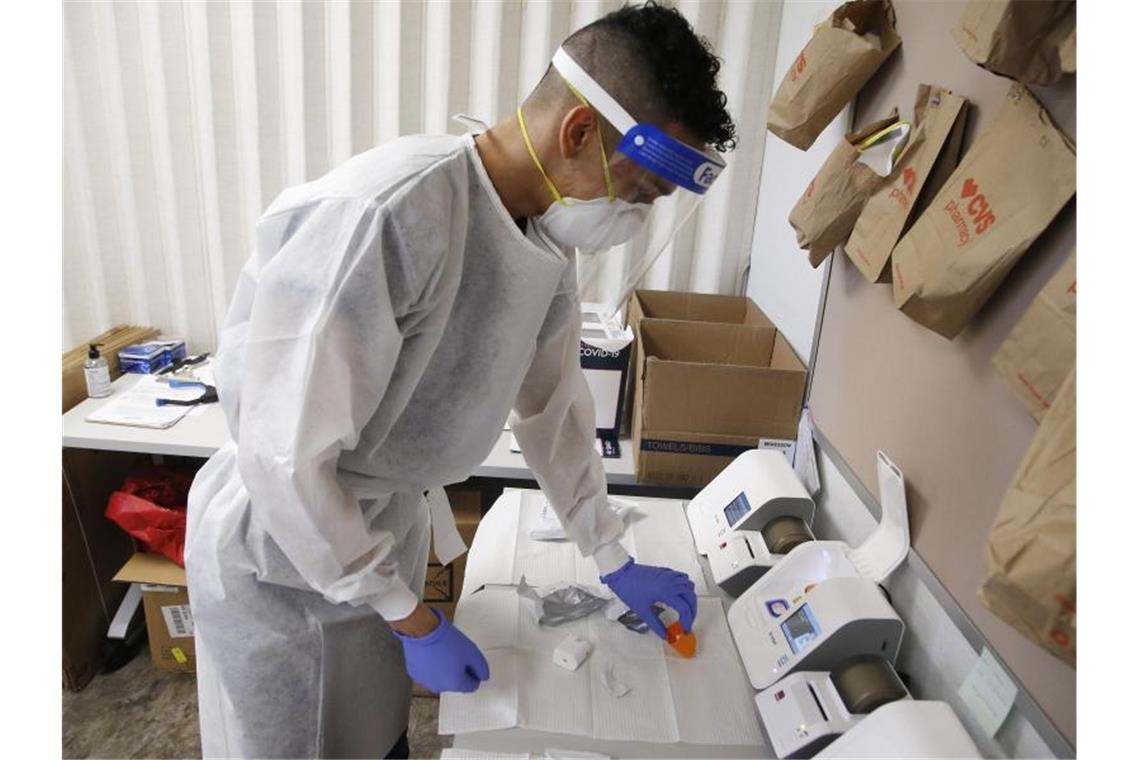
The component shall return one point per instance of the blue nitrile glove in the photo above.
(445, 659)
(639, 586)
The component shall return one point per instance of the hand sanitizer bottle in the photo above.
(96, 373)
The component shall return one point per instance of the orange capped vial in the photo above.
(684, 644)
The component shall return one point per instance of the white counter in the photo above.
(203, 431)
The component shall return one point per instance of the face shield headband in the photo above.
(650, 147)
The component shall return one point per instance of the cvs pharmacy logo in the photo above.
(903, 190)
(977, 206)
(909, 176)
(798, 67)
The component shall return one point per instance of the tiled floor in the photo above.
(141, 712)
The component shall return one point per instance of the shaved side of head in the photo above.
(652, 62)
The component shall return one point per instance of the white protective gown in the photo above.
(391, 317)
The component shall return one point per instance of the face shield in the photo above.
(649, 167)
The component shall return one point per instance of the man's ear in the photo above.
(577, 131)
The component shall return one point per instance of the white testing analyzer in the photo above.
(839, 618)
(813, 562)
(860, 709)
(908, 728)
(751, 514)
(821, 604)
(808, 710)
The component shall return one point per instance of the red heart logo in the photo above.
(969, 187)
(908, 179)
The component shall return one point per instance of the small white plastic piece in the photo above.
(572, 652)
(613, 684)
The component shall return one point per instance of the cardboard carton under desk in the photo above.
(166, 605)
(706, 392)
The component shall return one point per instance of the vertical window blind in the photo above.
(183, 120)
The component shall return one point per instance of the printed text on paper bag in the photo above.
(982, 216)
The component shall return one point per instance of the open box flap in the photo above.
(151, 569)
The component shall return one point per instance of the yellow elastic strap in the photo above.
(601, 141)
(867, 142)
(534, 157)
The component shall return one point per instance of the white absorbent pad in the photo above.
(703, 700)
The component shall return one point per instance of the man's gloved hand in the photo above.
(445, 659)
(639, 586)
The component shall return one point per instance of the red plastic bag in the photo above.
(151, 507)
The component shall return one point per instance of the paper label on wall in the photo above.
(179, 623)
(989, 692)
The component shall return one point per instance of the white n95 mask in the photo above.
(588, 225)
(593, 225)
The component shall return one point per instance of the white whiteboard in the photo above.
(780, 280)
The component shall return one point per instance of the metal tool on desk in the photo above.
(209, 396)
(181, 364)
(749, 516)
(806, 711)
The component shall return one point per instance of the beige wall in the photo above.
(935, 406)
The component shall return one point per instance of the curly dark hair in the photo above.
(649, 58)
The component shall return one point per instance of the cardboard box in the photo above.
(166, 605)
(605, 350)
(695, 307)
(444, 583)
(689, 307)
(706, 391)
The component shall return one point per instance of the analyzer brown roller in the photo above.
(785, 533)
(867, 682)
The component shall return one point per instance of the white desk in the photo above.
(199, 434)
(481, 568)
(203, 431)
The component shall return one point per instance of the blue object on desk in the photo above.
(151, 357)
(209, 397)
